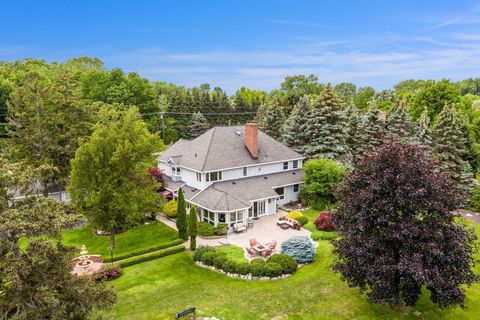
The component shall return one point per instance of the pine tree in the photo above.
(192, 227)
(449, 149)
(293, 130)
(398, 123)
(353, 122)
(272, 122)
(198, 125)
(423, 133)
(325, 127)
(182, 216)
(372, 130)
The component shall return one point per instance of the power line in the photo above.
(191, 113)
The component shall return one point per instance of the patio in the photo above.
(265, 230)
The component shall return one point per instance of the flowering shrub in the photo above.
(108, 272)
(294, 214)
(170, 208)
(324, 222)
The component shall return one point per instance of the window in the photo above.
(285, 165)
(236, 217)
(245, 171)
(295, 164)
(214, 176)
(173, 171)
(280, 192)
(209, 217)
(295, 187)
(221, 218)
(199, 177)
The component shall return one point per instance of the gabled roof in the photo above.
(223, 147)
(237, 194)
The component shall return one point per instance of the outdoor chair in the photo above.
(272, 245)
(253, 242)
(251, 252)
(267, 253)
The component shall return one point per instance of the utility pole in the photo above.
(162, 116)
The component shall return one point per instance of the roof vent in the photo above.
(195, 154)
(238, 133)
(294, 173)
(234, 182)
(265, 178)
(193, 190)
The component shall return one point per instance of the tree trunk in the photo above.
(45, 189)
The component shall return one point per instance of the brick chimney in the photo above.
(251, 139)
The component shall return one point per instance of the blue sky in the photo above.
(253, 43)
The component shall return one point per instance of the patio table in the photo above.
(259, 248)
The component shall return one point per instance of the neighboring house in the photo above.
(232, 173)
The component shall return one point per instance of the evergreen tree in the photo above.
(182, 225)
(192, 227)
(198, 125)
(371, 131)
(449, 149)
(272, 122)
(261, 114)
(325, 127)
(398, 123)
(352, 128)
(423, 135)
(293, 130)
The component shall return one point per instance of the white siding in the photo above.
(289, 195)
(261, 169)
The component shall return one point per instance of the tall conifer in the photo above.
(293, 130)
(198, 125)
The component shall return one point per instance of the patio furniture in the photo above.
(251, 252)
(272, 245)
(267, 252)
(253, 242)
(239, 227)
(259, 248)
(286, 222)
(249, 223)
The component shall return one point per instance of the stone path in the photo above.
(473, 216)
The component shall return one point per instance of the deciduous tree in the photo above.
(397, 232)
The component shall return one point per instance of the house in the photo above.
(232, 173)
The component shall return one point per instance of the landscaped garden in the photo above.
(173, 283)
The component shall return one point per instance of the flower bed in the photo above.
(278, 266)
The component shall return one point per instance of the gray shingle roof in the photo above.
(237, 194)
(223, 147)
(171, 185)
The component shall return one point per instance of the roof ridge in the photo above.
(208, 149)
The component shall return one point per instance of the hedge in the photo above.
(151, 256)
(144, 251)
(206, 229)
(288, 264)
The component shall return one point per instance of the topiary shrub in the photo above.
(220, 261)
(299, 248)
(205, 229)
(242, 268)
(170, 208)
(272, 269)
(294, 214)
(258, 261)
(302, 220)
(288, 264)
(208, 258)
(230, 266)
(324, 221)
(221, 229)
(256, 270)
(197, 255)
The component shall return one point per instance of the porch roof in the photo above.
(238, 194)
(171, 185)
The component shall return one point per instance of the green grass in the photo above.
(138, 239)
(160, 288)
(233, 253)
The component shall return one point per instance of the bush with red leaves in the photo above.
(324, 222)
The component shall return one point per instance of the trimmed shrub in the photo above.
(288, 264)
(170, 208)
(258, 261)
(242, 268)
(299, 248)
(144, 251)
(324, 221)
(294, 214)
(221, 229)
(256, 270)
(205, 229)
(220, 261)
(151, 256)
(208, 258)
(302, 220)
(230, 266)
(197, 255)
(272, 269)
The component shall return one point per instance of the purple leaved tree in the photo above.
(397, 232)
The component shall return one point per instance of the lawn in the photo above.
(160, 288)
(233, 253)
(139, 238)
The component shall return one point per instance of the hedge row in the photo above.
(275, 266)
(150, 256)
(144, 251)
